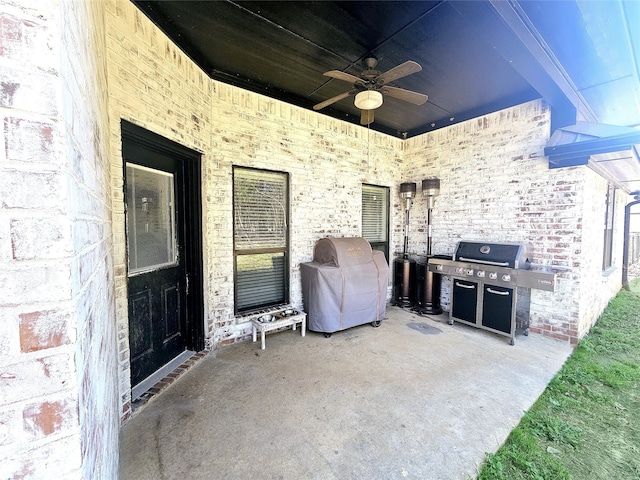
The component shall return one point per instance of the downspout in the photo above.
(625, 248)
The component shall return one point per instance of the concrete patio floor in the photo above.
(415, 398)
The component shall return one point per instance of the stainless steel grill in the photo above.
(485, 282)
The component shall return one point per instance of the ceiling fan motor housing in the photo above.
(370, 62)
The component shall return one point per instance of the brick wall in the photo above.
(496, 184)
(84, 100)
(597, 287)
(154, 85)
(327, 162)
(58, 404)
(64, 361)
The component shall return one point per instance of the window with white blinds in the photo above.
(375, 217)
(261, 238)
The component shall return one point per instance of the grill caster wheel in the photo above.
(450, 322)
(526, 332)
(327, 335)
(512, 341)
(377, 323)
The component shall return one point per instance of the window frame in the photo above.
(609, 224)
(377, 244)
(285, 250)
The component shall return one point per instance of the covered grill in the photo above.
(485, 282)
(345, 285)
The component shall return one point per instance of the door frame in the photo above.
(191, 164)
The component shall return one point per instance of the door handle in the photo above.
(462, 285)
(496, 292)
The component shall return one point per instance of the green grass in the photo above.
(586, 424)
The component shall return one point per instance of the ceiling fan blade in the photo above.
(367, 117)
(335, 99)
(406, 95)
(402, 70)
(345, 77)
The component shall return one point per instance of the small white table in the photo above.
(280, 322)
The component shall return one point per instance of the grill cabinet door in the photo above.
(465, 300)
(497, 308)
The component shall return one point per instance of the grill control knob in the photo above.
(506, 277)
(480, 273)
(439, 268)
(460, 270)
(470, 272)
(493, 275)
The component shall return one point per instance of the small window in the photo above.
(151, 233)
(607, 260)
(261, 238)
(375, 217)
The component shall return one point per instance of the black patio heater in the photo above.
(404, 268)
(428, 283)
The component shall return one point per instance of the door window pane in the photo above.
(151, 233)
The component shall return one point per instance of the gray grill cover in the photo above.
(345, 285)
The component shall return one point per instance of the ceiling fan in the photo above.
(370, 87)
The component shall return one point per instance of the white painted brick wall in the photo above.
(62, 243)
(605, 284)
(496, 186)
(327, 161)
(58, 401)
(495, 181)
(37, 386)
(84, 100)
(154, 85)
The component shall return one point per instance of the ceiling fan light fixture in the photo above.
(368, 100)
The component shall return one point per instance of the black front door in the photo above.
(160, 258)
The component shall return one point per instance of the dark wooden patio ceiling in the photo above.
(477, 56)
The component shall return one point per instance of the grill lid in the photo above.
(345, 252)
(512, 255)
